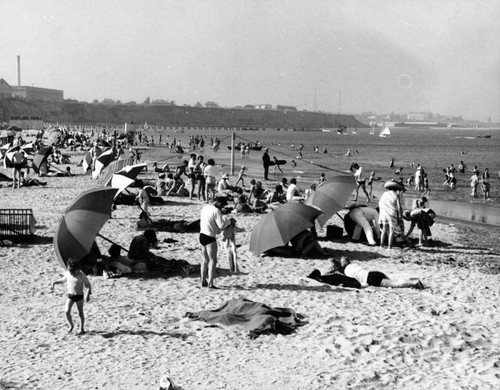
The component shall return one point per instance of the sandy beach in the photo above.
(445, 336)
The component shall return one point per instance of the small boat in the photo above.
(342, 129)
(385, 131)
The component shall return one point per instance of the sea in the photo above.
(332, 153)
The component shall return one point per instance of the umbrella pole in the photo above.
(340, 216)
(60, 170)
(112, 242)
(146, 214)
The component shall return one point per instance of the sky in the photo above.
(352, 56)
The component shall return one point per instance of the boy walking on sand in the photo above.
(75, 280)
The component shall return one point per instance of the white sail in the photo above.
(385, 131)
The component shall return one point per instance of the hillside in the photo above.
(80, 112)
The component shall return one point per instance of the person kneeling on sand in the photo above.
(375, 278)
(423, 219)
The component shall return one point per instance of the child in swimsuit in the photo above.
(75, 282)
(229, 237)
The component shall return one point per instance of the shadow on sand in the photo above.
(293, 287)
(143, 333)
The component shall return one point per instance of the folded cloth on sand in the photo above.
(250, 316)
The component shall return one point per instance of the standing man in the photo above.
(266, 162)
(17, 164)
(212, 222)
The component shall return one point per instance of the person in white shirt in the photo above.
(210, 182)
(293, 192)
(212, 222)
(375, 278)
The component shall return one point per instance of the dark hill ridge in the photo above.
(79, 112)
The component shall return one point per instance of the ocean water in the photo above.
(433, 149)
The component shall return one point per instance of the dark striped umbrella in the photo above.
(81, 223)
(41, 156)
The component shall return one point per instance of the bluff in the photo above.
(90, 113)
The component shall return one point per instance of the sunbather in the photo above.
(373, 278)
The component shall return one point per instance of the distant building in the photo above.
(263, 106)
(286, 108)
(36, 93)
(419, 116)
(162, 102)
(5, 89)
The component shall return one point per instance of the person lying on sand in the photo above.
(66, 173)
(28, 181)
(334, 277)
(373, 278)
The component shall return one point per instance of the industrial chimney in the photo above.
(18, 71)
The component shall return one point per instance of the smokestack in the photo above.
(18, 71)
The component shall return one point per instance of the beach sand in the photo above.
(445, 336)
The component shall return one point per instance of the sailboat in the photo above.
(385, 131)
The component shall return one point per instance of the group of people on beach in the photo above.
(197, 178)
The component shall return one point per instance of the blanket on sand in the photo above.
(251, 316)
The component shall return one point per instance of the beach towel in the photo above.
(254, 317)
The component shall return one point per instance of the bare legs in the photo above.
(405, 283)
(232, 256)
(79, 305)
(363, 186)
(16, 178)
(208, 264)
(387, 231)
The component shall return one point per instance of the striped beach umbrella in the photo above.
(81, 222)
(102, 162)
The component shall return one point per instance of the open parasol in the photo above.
(280, 225)
(331, 196)
(81, 223)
